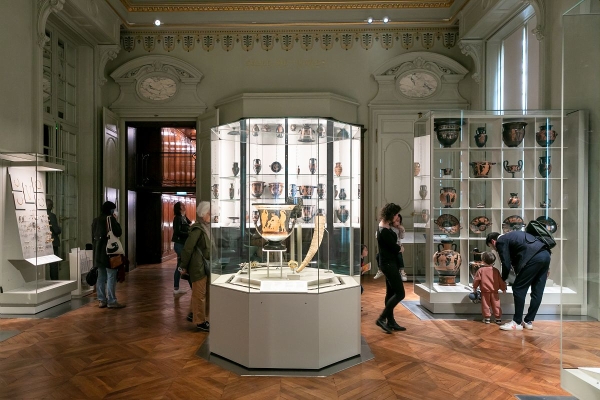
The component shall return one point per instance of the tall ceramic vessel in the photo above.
(447, 196)
(481, 137)
(513, 133)
(447, 131)
(544, 167)
(338, 169)
(545, 136)
(447, 262)
(235, 169)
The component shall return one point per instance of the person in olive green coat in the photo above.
(198, 245)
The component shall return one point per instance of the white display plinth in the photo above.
(80, 262)
(309, 330)
(455, 300)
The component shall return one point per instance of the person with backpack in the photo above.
(529, 257)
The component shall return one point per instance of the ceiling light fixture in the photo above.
(371, 20)
(157, 22)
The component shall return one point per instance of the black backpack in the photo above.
(538, 229)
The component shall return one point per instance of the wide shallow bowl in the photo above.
(512, 223)
(479, 224)
(481, 169)
(448, 223)
(551, 224)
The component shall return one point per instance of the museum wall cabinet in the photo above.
(26, 236)
(286, 235)
(493, 171)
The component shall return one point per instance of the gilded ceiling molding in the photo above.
(540, 12)
(286, 6)
(473, 49)
(306, 39)
(45, 7)
(105, 54)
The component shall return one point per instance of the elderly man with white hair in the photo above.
(196, 249)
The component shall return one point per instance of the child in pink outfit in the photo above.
(488, 280)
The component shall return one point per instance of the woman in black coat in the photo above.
(107, 277)
(181, 230)
(388, 263)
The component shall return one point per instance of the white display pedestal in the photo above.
(309, 330)
(80, 262)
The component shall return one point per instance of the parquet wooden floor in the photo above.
(147, 351)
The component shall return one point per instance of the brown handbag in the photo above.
(116, 261)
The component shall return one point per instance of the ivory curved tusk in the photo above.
(315, 242)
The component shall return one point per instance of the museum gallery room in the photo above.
(300, 200)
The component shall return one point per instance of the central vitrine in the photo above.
(285, 227)
(493, 171)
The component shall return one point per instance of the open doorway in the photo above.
(161, 170)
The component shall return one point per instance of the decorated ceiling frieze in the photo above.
(417, 38)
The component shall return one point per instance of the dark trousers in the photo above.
(54, 266)
(394, 291)
(533, 274)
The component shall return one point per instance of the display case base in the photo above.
(285, 330)
(583, 383)
(455, 300)
(34, 297)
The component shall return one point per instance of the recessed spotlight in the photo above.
(386, 20)
(370, 20)
(157, 22)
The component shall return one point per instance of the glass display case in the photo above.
(286, 233)
(286, 203)
(494, 171)
(28, 240)
(579, 366)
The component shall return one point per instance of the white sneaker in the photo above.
(527, 325)
(403, 276)
(178, 291)
(378, 275)
(511, 326)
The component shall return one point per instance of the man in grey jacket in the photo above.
(530, 259)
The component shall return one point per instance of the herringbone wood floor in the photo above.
(147, 351)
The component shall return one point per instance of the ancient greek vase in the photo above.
(276, 189)
(481, 137)
(276, 223)
(235, 169)
(425, 215)
(306, 191)
(545, 136)
(215, 191)
(257, 165)
(447, 131)
(513, 200)
(481, 169)
(338, 169)
(312, 165)
(417, 169)
(342, 214)
(423, 191)
(511, 169)
(544, 167)
(476, 263)
(276, 166)
(307, 213)
(513, 133)
(447, 262)
(321, 131)
(447, 196)
(293, 190)
(257, 188)
(321, 190)
(342, 194)
(446, 171)
(307, 134)
(279, 131)
(255, 130)
(231, 192)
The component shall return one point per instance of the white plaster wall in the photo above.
(345, 72)
(17, 119)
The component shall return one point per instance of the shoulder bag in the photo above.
(113, 245)
(92, 276)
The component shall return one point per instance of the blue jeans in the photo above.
(106, 285)
(178, 247)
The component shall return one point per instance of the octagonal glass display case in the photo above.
(285, 208)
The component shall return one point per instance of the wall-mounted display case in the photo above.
(27, 241)
(286, 226)
(494, 171)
